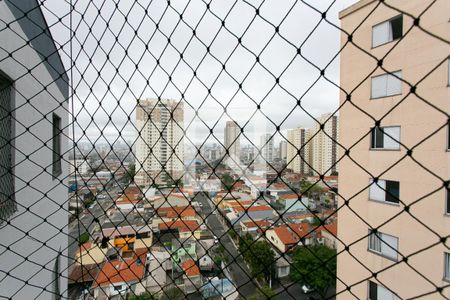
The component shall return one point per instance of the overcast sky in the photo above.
(113, 68)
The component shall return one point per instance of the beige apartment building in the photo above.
(324, 149)
(232, 140)
(298, 141)
(408, 205)
(160, 143)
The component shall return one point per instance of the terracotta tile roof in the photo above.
(329, 228)
(181, 225)
(129, 270)
(190, 268)
(256, 223)
(292, 233)
(176, 211)
(279, 186)
(253, 208)
(289, 196)
(83, 273)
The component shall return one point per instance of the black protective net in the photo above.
(224, 149)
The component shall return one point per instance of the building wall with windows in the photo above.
(298, 141)
(160, 145)
(38, 118)
(325, 150)
(232, 140)
(402, 183)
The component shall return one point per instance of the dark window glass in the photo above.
(377, 137)
(56, 146)
(448, 200)
(392, 191)
(397, 27)
(373, 291)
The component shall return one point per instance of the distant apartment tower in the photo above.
(33, 140)
(79, 165)
(298, 153)
(266, 146)
(325, 150)
(282, 150)
(160, 143)
(232, 140)
(406, 199)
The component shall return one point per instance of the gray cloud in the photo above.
(111, 74)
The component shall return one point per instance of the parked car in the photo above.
(216, 240)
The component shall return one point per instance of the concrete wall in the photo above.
(46, 197)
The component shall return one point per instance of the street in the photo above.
(239, 271)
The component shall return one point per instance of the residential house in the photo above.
(254, 227)
(192, 276)
(121, 276)
(287, 236)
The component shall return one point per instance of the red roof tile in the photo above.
(122, 271)
(190, 268)
(253, 208)
(176, 211)
(181, 225)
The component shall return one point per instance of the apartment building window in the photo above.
(385, 191)
(447, 266)
(448, 72)
(388, 84)
(383, 244)
(387, 31)
(447, 198)
(7, 200)
(56, 142)
(385, 138)
(55, 278)
(379, 292)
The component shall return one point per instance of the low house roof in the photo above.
(181, 225)
(256, 223)
(80, 273)
(252, 208)
(128, 270)
(176, 211)
(190, 268)
(278, 186)
(292, 233)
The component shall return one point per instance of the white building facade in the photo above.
(33, 210)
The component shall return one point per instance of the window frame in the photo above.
(56, 143)
(446, 266)
(398, 77)
(386, 21)
(385, 190)
(447, 201)
(381, 253)
(10, 204)
(369, 282)
(381, 129)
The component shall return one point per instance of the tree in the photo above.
(315, 266)
(83, 238)
(227, 182)
(259, 256)
(131, 172)
(262, 261)
(263, 293)
(310, 189)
